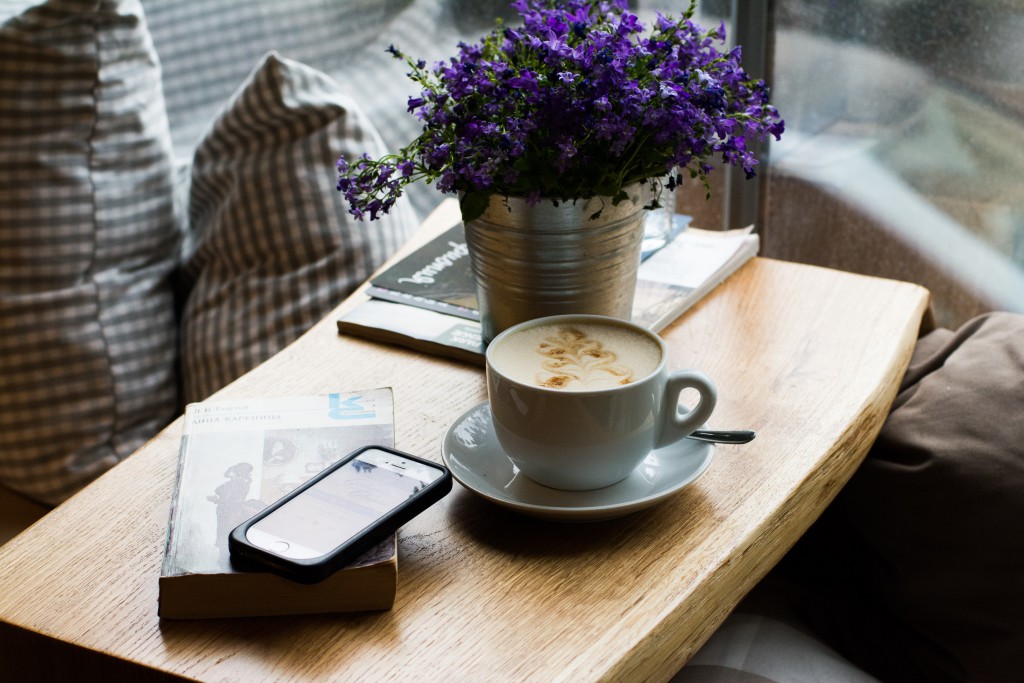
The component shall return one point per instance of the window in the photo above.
(905, 141)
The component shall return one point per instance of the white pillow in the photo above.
(753, 648)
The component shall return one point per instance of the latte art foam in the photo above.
(577, 356)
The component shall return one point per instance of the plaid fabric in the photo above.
(87, 239)
(275, 248)
(209, 48)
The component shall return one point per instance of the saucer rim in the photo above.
(570, 513)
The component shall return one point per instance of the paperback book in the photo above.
(433, 277)
(237, 457)
(413, 302)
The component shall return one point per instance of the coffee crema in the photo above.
(577, 356)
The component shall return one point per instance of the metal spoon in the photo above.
(723, 435)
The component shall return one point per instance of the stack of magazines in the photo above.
(427, 300)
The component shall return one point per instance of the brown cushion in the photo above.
(916, 572)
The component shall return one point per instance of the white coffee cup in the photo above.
(578, 401)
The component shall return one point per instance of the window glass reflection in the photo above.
(906, 116)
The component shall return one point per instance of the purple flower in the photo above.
(526, 80)
(578, 100)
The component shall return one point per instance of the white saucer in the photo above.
(471, 451)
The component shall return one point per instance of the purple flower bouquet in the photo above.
(580, 101)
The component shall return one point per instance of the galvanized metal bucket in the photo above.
(548, 259)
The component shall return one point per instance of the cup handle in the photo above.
(676, 425)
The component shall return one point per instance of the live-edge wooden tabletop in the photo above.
(809, 358)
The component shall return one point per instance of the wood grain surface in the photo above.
(809, 358)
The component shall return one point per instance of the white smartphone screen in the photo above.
(340, 505)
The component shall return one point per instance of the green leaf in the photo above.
(548, 176)
(473, 205)
(607, 188)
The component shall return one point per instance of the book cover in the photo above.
(433, 277)
(417, 328)
(670, 281)
(238, 456)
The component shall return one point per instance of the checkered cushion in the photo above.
(209, 47)
(275, 247)
(87, 239)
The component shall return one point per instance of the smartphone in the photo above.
(339, 514)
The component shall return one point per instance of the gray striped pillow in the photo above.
(87, 241)
(274, 247)
(208, 48)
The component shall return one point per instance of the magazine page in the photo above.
(417, 328)
(685, 270)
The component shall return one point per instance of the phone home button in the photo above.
(280, 547)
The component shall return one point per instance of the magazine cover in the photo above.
(436, 276)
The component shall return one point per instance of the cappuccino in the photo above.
(578, 401)
(576, 356)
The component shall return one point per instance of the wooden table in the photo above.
(810, 358)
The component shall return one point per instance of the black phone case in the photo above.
(246, 556)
